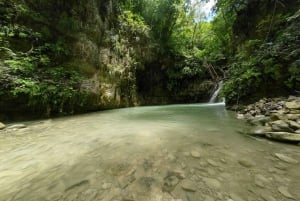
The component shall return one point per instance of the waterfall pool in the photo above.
(160, 153)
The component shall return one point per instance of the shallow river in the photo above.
(161, 153)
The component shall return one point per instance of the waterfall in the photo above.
(214, 96)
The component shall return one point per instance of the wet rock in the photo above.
(285, 192)
(292, 105)
(283, 136)
(16, 126)
(188, 185)
(212, 183)
(170, 183)
(195, 154)
(2, 126)
(246, 163)
(286, 159)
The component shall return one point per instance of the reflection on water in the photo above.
(176, 152)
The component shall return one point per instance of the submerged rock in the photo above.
(195, 154)
(170, 183)
(246, 163)
(286, 159)
(212, 183)
(285, 192)
(188, 185)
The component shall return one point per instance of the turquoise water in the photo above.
(130, 154)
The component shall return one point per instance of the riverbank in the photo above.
(273, 118)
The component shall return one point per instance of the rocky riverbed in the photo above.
(274, 118)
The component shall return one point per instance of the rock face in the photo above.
(276, 119)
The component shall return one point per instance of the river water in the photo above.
(161, 153)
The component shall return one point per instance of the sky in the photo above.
(205, 8)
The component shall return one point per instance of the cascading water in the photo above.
(213, 98)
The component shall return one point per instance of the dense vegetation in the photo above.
(60, 56)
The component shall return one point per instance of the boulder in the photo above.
(259, 120)
(17, 126)
(260, 131)
(2, 126)
(293, 117)
(280, 125)
(293, 105)
(283, 136)
(294, 125)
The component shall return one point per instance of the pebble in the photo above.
(246, 163)
(285, 192)
(188, 185)
(212, 163)
(286, 159)
(195, 154)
